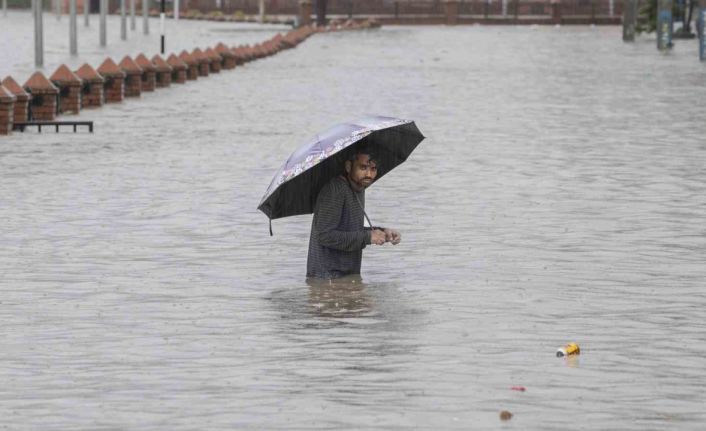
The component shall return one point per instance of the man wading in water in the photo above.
(338, 234)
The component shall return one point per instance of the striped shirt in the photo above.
(338, 236)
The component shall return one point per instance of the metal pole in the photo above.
(86, 11)
(664, 25)
(161, 27)
(145, 17)
(629, 20)
(73, 45)
(176, 10)
(702, 32)
(38, 34)
(123, 21)
(611, 7)
(504, 7)
(262, 11)
(103, 32)
(132, 15)
(57, 9)
(4, 7)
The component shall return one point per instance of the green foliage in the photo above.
(647, 17)
(192, 13)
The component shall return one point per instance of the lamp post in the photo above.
(665, 25)
(702, 32)
(161, 26)
(73, 44)
(103, 32)
(123, 21)
(145, 17)
(38, 34)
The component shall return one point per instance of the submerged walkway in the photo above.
(41, 98)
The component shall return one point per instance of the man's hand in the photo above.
(393, 236)
(377, 237)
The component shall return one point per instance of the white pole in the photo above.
(73, 45)
(57, 9)
(504, 7)
(611, 7)
(38, 36)
(123, 21)
(132, 15)
(86, 10)
(262, 11)
(145, 17)
(4, 7)
(176, 10)
(103, 32)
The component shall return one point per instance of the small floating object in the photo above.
(518, 388)
(568, 350)
(505, 415)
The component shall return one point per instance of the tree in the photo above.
(647, 18)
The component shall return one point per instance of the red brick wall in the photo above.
(21, 111)
(92, 95)
(6, 117)
(163, 79)
(114, 90)
(193, 72)
(179, 76)
(229, 62)
(133, 85)
(43, 107)
(70, 98)
(149, 81)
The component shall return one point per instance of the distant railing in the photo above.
(397, 8)
(415, 7)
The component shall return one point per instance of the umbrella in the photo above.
(297, 183)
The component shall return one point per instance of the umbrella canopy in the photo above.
(297, 183)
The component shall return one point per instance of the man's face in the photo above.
(362, 171)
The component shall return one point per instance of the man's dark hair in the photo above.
(364, 148)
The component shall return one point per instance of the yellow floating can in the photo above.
(568, 350)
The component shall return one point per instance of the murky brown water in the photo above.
(560, 196)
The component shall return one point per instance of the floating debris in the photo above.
(568, 350)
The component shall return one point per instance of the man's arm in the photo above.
(330, 208)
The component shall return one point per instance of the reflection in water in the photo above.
(345, 297)
(348, 341)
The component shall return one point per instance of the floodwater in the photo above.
(560, 196)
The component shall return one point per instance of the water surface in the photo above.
(560, 196)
